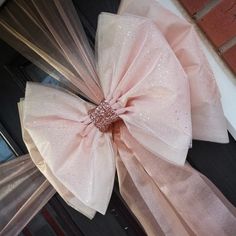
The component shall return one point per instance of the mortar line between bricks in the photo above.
(207, 8)
(226, 46)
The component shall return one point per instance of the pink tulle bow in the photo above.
(152, 99)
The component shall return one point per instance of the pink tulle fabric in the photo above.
(154, 75)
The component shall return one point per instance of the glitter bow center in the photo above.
(103, 116)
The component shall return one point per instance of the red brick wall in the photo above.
(217, 19)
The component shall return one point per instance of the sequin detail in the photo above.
(103, 116)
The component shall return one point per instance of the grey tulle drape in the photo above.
(23, 192)
(49, 34)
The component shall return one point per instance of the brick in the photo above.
(220, 23)
(230, 58)
(193, 6)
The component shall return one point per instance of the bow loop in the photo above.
(148, 82)
(54, 120)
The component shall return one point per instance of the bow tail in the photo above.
(134, 199)
(144, 197)
(177, 202)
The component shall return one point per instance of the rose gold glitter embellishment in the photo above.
(102, 116)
